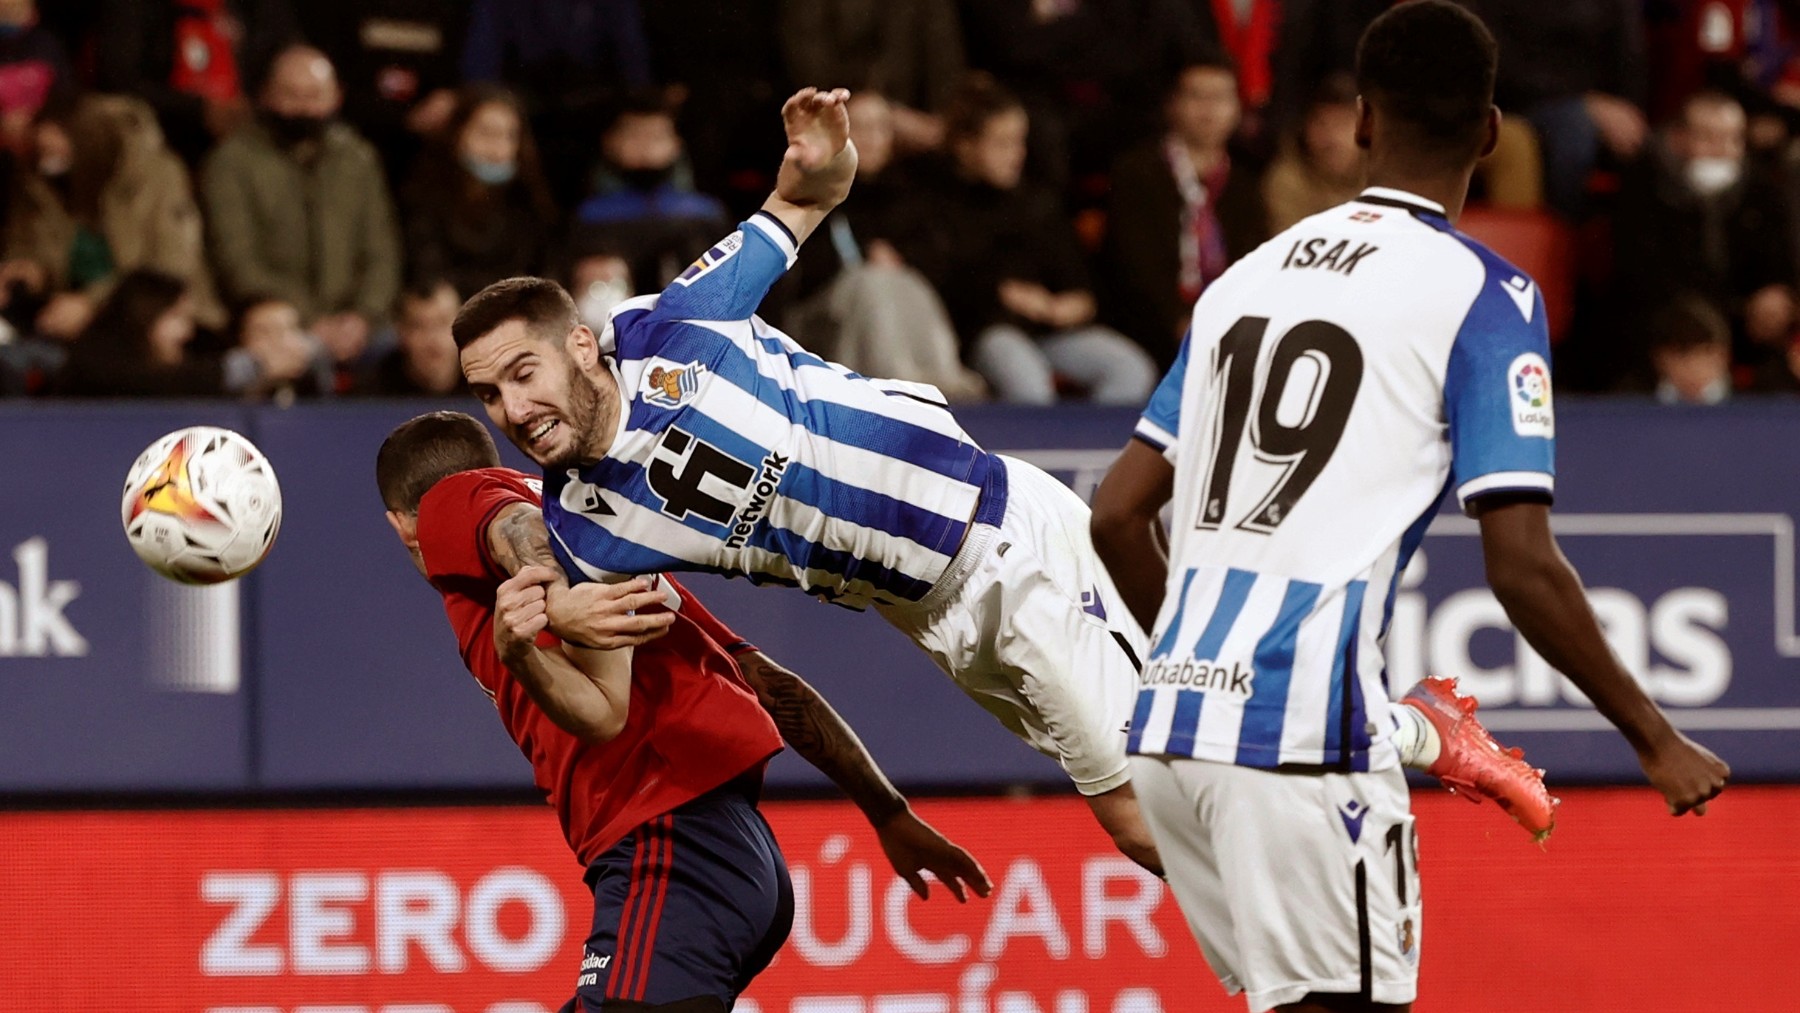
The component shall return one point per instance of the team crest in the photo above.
(1366, 217)
(672, 387)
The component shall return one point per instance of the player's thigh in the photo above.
(1173, 810)
(695, 903)
(1321, 882)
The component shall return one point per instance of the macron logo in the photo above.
(1519, 289)
(1352, 813)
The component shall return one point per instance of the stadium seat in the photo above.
(1539, 244)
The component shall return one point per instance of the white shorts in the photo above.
(1291, 883)
(1027, 623)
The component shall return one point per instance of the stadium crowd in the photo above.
(279, 199)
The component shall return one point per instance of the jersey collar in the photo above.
(1401, 199)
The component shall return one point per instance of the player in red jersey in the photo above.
(650, 738)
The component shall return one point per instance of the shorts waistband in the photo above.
(978, 542)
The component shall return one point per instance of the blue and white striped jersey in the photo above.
(1333, 384)
(740, 453)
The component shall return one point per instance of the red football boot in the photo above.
(1471, 763)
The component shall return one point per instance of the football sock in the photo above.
(1416, 738)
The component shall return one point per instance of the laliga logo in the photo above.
(1530, 383)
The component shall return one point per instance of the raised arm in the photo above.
(820, 163)
(1543, 597)
(812, 728)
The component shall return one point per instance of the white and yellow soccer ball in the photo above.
(201, 505)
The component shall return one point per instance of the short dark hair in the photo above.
(542, 304)
(245, 308)
(1689, 322)
(978, 100)
(423, 451)
(423, 289)
(1430, 65)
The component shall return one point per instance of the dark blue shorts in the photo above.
(693, 904)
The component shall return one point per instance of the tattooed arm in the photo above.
(590, 615)
(822, 738)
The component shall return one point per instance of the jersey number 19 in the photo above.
(1322, 355)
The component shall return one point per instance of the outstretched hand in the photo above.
(914, 847)
(820, 163)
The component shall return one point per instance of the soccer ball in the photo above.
(201, 505)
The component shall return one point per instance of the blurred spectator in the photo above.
(194, 61)
(1690, 352)
(1575, 69)
(477, 209)
(645, 209)
(1182, 210)
(298, 209)
(1315, 41)
(104, 196)
(598, 281)
(1320, 165)
(571, 60)
(910, 52)
(423, 362)
(731, 83)
(1693, 219)
(862, 305)
(1006, 261)
(34, 71)
(1091, 73)
(399, 61)
(137, 345)
(1246, 30)
(290, 363)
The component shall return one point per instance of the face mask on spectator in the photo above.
(1712, 176)
(646, 179)
(291, 130)
(490, 173)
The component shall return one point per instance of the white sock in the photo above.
(1416, 738)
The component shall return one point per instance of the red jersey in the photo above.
(693, 723)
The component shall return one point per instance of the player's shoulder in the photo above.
(479, 485)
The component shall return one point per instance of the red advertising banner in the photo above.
(482, 910)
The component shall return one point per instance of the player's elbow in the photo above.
(599, 725)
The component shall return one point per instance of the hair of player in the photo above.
(1429, 66)
(425, 450)
(541, 304)
(978, 101)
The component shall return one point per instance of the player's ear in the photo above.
(583, 347)
(1492, 140)
(1365, 122)
(406, 526)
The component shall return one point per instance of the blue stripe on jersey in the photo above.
(1337, 719)
(1140, 716)
(871, 509)
(1259, 735)
(840, 423)
(1186, 726)
(1167, 643)
(590, 541)
(1409, 544)
(1231, 602)
(810, 555)
(1359, 711)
